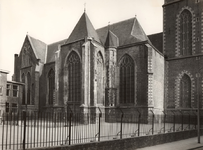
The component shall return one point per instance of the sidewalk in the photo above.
(188, 144)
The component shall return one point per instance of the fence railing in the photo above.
(46, 129)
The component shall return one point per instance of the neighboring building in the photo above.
(10, 94)
(183, 49)
(117, 65)
(3, 97)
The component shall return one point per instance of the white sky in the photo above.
(53, 20)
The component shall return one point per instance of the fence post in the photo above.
(70, 119)
(70, 128)
(174, 119)
(152, 122)
(181, 120)
(121, 126)
(3, 119)
(100, 114)
(139, 121)
(189, 121)
(121, 129)
(24, 134)
(164, 121)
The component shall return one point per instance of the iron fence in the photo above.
(46, 129)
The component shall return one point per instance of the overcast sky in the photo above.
(53, 20)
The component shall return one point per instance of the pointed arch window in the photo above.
(74, 77)
(186, 33)
(185, 92)
(127, 80)
(23, 94)
(51, 86)
(99, 79)
(28, 89)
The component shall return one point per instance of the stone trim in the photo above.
(164, 29)
(150, 79)
(166, 85)
(177, 36)
(177, 88)
(201, 38)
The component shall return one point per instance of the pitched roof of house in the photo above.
(51, 49)
(128, 32)
(38, 47)
(83, 28)
(157, 41)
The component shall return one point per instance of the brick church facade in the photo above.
(117, 65)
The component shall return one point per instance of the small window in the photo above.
(14, 107)
(8, 89)
(7, 107)
(15, 91)
(1, 90)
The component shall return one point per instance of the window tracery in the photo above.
(51, 86)
(127, 80)
(185, 92)
(186, 33)
(74, 77)
(99, 79)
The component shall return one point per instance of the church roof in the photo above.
(157, 41)
(83, 28)
(118, 34)
(128, 32)
(38, 47)
(111, 40)
(51, 49)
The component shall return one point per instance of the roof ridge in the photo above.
(83, 29)
(37, 39)
(57, 42)
(36, 42)
(31, 42)
(116, 23)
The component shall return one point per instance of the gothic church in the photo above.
(117, 65)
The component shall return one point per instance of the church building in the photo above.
(117, 65)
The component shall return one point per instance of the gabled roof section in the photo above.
(157, 41)
(128, 32)
(138, 32)
(83, 28)
(38, 47)
(51, 49)
(111, 40)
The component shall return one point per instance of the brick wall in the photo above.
(129, 143)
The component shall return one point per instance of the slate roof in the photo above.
(111, 40)
(51, 49)
(128, 32)
(157, 41)
(38, 47)
(118, 34)
(83, 28)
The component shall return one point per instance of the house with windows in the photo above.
(10, 94)
(117, 65)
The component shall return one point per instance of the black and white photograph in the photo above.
(101, 74)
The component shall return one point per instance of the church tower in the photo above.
(183, 50)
